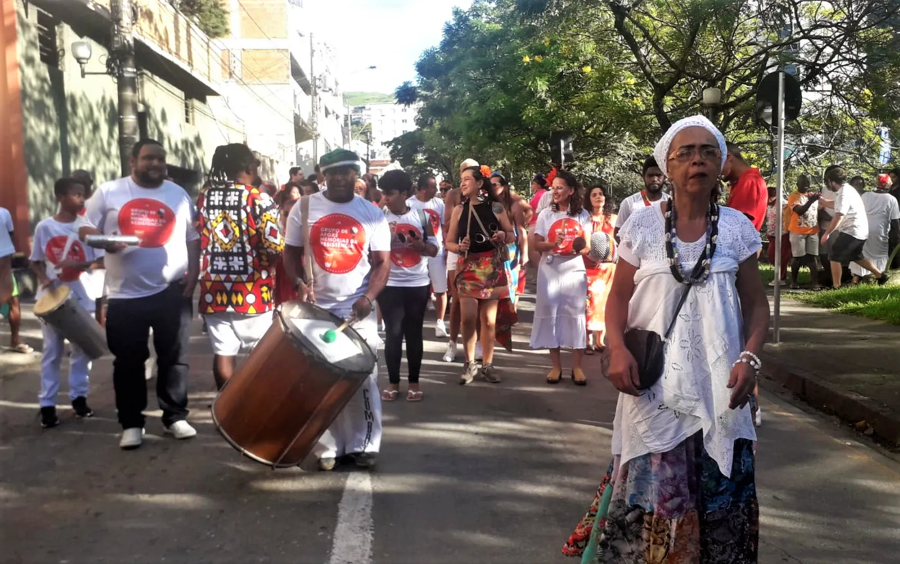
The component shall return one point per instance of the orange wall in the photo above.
(13, 187)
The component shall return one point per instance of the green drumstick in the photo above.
(330, 336)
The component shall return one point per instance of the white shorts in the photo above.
(451, 260)
(231, 332)
(437, 270)
(802, 245)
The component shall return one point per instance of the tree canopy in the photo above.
(507, 73)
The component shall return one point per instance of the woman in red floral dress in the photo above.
(599, 275)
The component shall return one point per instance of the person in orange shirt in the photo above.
(803, 228)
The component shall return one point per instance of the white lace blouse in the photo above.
(707, 338)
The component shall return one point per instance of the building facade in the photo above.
(385, 122)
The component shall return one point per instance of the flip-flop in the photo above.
(414, 396)
(589, 351)
(22, 348)
(389, 395)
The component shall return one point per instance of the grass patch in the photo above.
(874, 302)
(767, 273)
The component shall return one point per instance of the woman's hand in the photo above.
(623, 371)
(741, 383)
(464, 245)
(499, 237)
(560, 238)
(418, 245)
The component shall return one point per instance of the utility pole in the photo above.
(315, 98)
(122, 49)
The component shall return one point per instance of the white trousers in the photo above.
(357, 427)
(54, 350)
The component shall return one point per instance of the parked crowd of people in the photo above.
(614, 280)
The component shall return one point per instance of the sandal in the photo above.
(589, 351)
(389, 395)
(554, 376)
(578, 377)
(22, 348)
(415, 396)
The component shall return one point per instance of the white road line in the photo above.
(353, 534)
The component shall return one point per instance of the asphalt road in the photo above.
(476, 474)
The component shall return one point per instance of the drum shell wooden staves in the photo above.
(60, 309)
(281, 400)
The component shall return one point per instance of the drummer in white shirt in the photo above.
(58, 257)
(350, 243)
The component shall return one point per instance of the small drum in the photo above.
(292, 386)
(60, 308)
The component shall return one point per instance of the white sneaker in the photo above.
(132, 438)
(479, 354)
(757, 418)
(450, 355)
(440, 330)
(181, 430)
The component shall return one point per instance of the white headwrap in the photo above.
(662, 150)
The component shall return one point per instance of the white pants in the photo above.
(54, 349)
(357, 427)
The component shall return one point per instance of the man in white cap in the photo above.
(350, 244)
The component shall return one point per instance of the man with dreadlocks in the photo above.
(349, 248)
(240, 240)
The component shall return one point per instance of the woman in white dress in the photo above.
(561, 236)
(681, 488)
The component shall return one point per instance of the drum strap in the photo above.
(307, 246)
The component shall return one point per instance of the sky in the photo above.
(390, 34)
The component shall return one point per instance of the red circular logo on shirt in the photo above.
(338, 242)
(54, 250)
(150, 220)
(571, 230)
(402, 234)
(435, 218)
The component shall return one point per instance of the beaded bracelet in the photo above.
(753, 361)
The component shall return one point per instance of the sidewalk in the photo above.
(839, 363)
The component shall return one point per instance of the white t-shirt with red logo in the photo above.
(409, 269)
(435, 210)
(551, 222)
(341, 234)
(161, 217)
(51, 237)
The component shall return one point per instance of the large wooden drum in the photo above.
(292, 386)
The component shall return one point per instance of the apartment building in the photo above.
(56, 119)
(385, 122)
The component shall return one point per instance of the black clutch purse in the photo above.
(648, 347)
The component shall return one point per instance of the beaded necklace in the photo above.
(712, 235)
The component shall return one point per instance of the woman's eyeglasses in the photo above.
(706, 152)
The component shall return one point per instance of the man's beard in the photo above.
(146, 177)
(654, 188)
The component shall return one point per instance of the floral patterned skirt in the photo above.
(672, 508)
(477, 277)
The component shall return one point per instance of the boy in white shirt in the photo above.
(58, 257)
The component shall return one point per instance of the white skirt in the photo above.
(559, 311)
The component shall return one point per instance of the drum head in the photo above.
(353, 353)
(54, 297)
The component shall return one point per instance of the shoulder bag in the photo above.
(648, 347)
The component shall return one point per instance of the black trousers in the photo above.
(128, 324)
(403, 311)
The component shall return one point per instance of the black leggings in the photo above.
(403, 311)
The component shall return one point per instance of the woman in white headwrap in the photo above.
(681, 487)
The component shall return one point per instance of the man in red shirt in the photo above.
(749, 192)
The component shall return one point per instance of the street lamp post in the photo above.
(712, 98)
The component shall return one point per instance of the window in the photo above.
(47, 41)
(404, 121)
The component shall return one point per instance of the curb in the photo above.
(847, 405)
